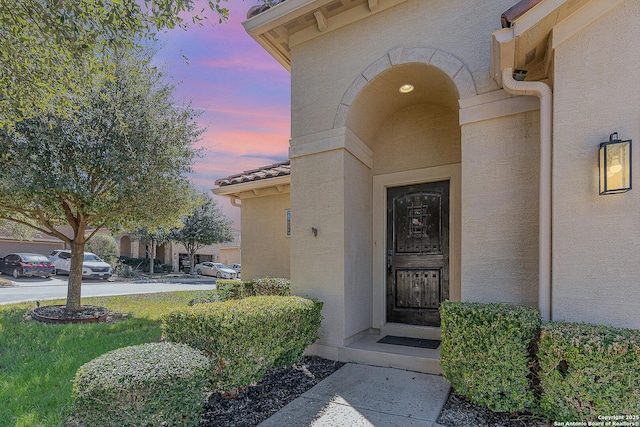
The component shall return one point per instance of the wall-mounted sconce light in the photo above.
(314, 231)
(615, 165)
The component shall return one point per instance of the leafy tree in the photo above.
(47, 47)
(151, 237)
(105, 246)
(207, 225)
(16, 231)
(119, 161)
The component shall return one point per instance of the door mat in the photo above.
(410, 342)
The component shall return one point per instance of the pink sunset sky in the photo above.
(243, 93)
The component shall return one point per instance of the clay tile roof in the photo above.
(517, 11)
(257, 10)
(266, 172)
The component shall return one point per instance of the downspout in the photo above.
(543, 92)
(235, 202)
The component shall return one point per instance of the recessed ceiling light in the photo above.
(406, 88)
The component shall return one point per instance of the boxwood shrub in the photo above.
(227, 289)
(588, 371)
(272, 286)
(486, 353)
(245, 337)
(157, 384)
(234, 289)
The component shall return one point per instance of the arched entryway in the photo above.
(125, 246)
(403, 110)
(163, 254)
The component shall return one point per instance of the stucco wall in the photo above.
(419, 136)
(332, 190)
(265, 246)
(596, 273)
(357, 244)
(318, 270)
(230, 256)
(323, 68)
(500, 161)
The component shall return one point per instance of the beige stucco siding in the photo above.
(419, 136)
(500, 160)
(333, 195)
(596, 238)
(357, 244)
(230, 256)
(265, 246)
(323, 68)
(317, 200)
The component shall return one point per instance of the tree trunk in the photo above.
(152, 255)
(75, 276)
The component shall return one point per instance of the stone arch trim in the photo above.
(444, 61)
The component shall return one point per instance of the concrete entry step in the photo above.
(369, 351)
(411, 331)
(367, 396)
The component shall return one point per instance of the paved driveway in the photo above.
(32, 289)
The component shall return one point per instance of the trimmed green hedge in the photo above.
(272, 286)
(588, 371)
(245, 337)
(157, 384)
(227, 289)
(486, 353)
(235, 289)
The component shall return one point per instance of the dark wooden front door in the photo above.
(417, 252)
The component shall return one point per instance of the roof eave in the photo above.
(234, 191)
(274, 17)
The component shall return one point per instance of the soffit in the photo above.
(292, 22)
(533, 23)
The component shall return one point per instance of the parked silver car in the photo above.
(92, 265)
(216, 269)
(235, 267)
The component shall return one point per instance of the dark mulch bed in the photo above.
(60, 314)
(258, 402)
(281, 386)
(458, 411)
(87, 314)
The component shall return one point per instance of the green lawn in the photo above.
(38, 361)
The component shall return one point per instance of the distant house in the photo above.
(40, 244)
(449, 149)
(176, 255)
(264, 195)
(170, 253)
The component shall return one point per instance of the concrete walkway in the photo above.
(363, 396)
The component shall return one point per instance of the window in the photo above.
(288, 222)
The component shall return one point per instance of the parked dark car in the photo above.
(27, 264)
